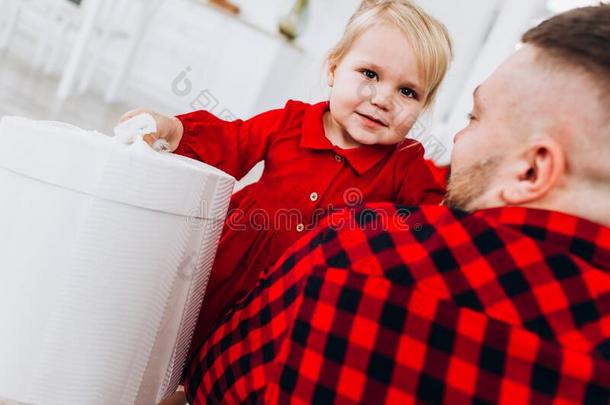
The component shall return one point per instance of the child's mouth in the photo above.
(370, 121)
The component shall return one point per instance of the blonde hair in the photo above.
(428, 37)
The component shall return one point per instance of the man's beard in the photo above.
(466, 185)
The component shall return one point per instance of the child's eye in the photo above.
(369, 73)
(409, 92)
(470, 117)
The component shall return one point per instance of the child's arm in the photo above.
(416, 183)
(232, 146)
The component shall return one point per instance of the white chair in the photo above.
(102, 19)
(9, 23)
(63, 31)
(44, 20)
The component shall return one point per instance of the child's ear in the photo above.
(332, 67)
(331, 79)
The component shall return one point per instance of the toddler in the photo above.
(352, 149)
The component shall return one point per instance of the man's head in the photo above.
(539, 135)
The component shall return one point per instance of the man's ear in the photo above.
(538, 172)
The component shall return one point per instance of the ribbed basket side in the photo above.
(103, 361)
(212, 232)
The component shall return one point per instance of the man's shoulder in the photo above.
(376, 237)
(393, 218)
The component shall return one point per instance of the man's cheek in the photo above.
(459, 155)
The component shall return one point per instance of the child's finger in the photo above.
(127, 116)
(131, 114)
(150, 139)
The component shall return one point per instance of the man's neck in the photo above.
(585, 202)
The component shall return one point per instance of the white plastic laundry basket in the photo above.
(105, 251)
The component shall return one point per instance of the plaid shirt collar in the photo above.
(361, 159)
(578, 236)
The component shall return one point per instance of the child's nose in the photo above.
(382, 98)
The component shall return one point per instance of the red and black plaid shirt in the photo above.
(422, 305)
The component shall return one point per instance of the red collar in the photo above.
(583, 238)
(362, 159)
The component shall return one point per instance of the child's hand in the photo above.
(168, 128)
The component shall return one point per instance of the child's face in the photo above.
(378, 78)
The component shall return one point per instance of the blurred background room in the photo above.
(86, 62)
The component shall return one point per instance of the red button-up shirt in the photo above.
(405, 305)
(304, 177)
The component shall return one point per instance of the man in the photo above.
(501, 296)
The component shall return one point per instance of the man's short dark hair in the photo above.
(579, 38)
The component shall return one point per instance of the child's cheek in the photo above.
(407, 116)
